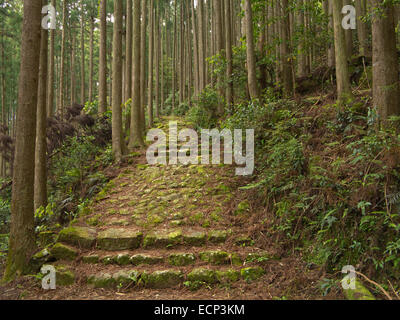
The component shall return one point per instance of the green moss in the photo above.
(203, 275)
(91, 259)
(252, 273)
(162, 279)
(122, 259)
(181, 259)
(194, 238)
(140, 259)
(359, 293)
(114, 239)
(63, 252)
(217, 236)
(46, 238)
(103, 280)
(64, 277)
(215, 257)
(79, 236)
(228, 276)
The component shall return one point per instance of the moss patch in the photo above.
(119, 239)
(79, 236)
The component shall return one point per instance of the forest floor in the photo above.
(186, 219)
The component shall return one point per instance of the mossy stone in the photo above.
(124, 278)
(122, 259)
(215, 257)
(40, 259)
(119, 239)
(80, 236)
(162, 279)
(217, 236)
(92, 259)
(102, 280)
(139, 259)
(64, 277)
(252, 273)
(359, 293)
(181, 259)
(203, 275)
(46, 238)
(162, 240)
(107, 260)
(195, 238)
(63, 252)
(244, 242)
(228, 276)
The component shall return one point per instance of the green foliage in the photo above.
(342, 207)
(203, 113)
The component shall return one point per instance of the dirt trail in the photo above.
(169, 232)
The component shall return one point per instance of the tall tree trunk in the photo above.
(302, 58)
(40, 193)
(202, 66)
(91, 59)
(103, 58)
(362, 30)
(143, 65)
(22, 232)
(50, 91)
(83, 74)
(117, 139)
(157, 42)
(251, 58)
(229, 67)
(151, 60)
(174, 57)
(287, 77)
(342, 69)
(195, 50)
(331, 46)
(128, 57)
(72, 69)
(135, 138)
(64, 30)
(385, 71)
(348, 34)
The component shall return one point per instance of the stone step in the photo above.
(116, 239)
(170, 278)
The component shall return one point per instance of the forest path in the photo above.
(171, 232)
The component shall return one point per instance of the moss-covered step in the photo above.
(203, 275)
(181, 259)
(115, 239)
(217, 236)
(64, 276)
(79, 236)
(144, 259)
(112, 281)
(61, 251)
(163, 239)
(194, 238)
(162, 279)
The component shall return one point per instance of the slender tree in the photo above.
(117, 139)
(103, 58)
(22, 231)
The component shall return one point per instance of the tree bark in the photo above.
(251, 59)
(136, 138)
(22, 232)
(103, 58)
(385, 71)
(40, 193)
(117, 139)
